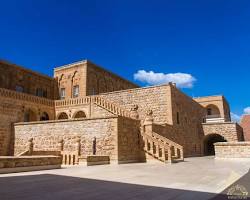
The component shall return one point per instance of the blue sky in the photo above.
(208, 40)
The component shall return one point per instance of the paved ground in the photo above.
(196, 178)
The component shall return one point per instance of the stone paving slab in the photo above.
(196, 178)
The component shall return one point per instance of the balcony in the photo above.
(214, 119)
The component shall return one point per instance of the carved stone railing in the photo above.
(70, 157)
(107, 105)
(157, 145)
(176, 149)
(156, 148)
(117, 110)
(73, 102)
(25, 97)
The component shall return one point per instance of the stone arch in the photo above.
(213, 111)
(29, 115)
(79, 114)
(44, 116)
(62, 115)
(209, 141)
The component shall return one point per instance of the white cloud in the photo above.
(182, 80)
(247, 110)
(235, 117)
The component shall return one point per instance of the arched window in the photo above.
(80, 114)
(63, 115)
(213, 111)
(44, 117)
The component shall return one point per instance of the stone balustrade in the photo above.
(115, 109)
(25, 97)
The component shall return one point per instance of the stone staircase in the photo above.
(109, 106)
(161, 148)
(154, 145)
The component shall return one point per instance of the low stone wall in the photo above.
(97, 160)
(10, 164)
(232, 150)
(116, 137)
(48, 134)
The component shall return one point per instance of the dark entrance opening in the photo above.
(209, 143)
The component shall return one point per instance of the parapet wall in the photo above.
(108, 132)
(232, 150)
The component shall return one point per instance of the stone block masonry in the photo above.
(232, 150)
(232, 132)
(47, 136)
(157, 98)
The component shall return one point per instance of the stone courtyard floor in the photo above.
(196, 178)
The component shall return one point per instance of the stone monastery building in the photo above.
(87, 110)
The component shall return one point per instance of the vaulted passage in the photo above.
(80, 114)
(209, 143)
(63, 115)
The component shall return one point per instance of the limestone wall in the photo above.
(71, 75)
(232, 132)
(13, 108)
(47, 135)
(100, 80)
(157, 98)
(129, 140)
(13, 76)
(116, 137)
(28, 161)
(232, 150)
(187, 118)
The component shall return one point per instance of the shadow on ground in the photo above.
(55, 187)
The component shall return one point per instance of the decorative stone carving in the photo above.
(149, 118)
(134, 112)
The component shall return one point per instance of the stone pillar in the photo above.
(61, 145)
(148, 122)
(94, 146)
(78, 146)
(134, 112)
(30, 146)
(169, 155)
(157, 148)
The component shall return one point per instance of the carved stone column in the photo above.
(30, 146)
(148, 122)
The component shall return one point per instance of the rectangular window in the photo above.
(62, 93)
(19, 88)
(39, 92)
(178, 118)
(76, 91)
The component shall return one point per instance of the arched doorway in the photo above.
(80, 114)
(44, 117)
(29, 116)
(209, 141)
(62, 115)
